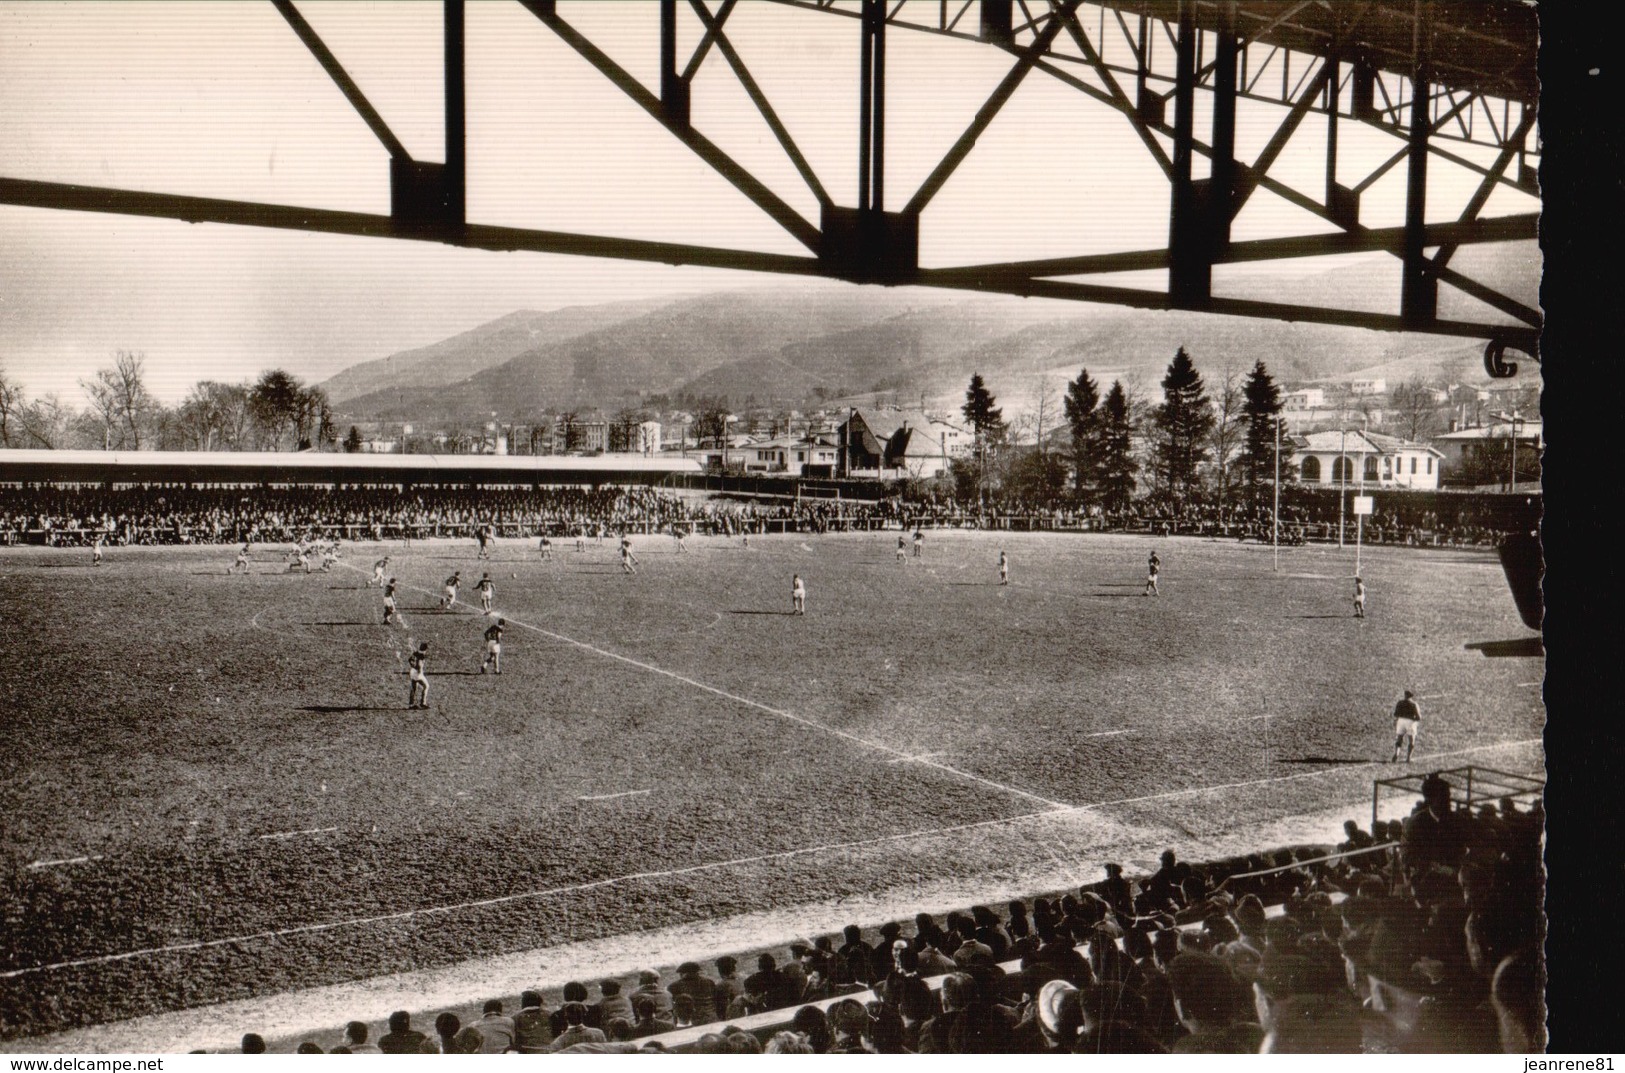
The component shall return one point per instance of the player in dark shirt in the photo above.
(389, 602)
(493, 646)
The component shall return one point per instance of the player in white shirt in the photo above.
(377, 569)
(1004, 568)
(1359, 598)
(798, 595)
(902, 548)
(487, 590)
(242, 560)
(628, 560)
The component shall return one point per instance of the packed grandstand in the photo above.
(1417, 936)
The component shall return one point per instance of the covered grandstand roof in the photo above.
(333, 468)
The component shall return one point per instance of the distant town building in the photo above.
(1307, 398)
(1357, 456)
(898, 443)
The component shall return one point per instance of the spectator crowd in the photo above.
(1420, 936)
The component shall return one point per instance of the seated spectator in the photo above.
(311, 1047)
(355, 1038)
(1113, 1019)
(767, 988)
(739, 1041)
(990, 931)
(927, 933)
(1354, 838)
(729, 986)
(1059, 1010)
(532, 1030)
(1056, 959)
(617, 1030)
(682, 1012)
(401, 1037)
(446, 1026)
(850, 1021)
(649, 984)
(1313, 1024)
(576, 1030)
(496, 1029)
(906, 992)
(700, 990)
(1118, 892)
(1019, 926)
(647, 1018)
(886, 1033)
(711, 1043)
(812, 1025)
(253, 1043)
(1212, 1007)
(574, 991)
(468, 1040)
(788, 1043)
(857, 955)
(968, 1024)
(611, 1004)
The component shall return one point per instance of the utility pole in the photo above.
(1276, 538)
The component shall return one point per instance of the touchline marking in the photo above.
(779, 712)
(66, 860)
(1108, 733)
(611, 797)
(293, 834)
(574, 888)
(916, 756)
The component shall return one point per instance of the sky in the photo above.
(220, 99)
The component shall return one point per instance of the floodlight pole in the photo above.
(1275, 540)
(1343, 491)
(1359, 518)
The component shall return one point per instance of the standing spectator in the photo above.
(1117, 891)
(401, 1037)
(768, 988)
(532, 1030)
(858, 956)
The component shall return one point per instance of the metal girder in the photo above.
(866, 244)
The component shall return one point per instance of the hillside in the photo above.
(792, 346)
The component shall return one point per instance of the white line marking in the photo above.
(1108, 733)
(293, 834)
(1527, 685)
(708, 866)
(778, 712)
(916, 756)
(66, 860)
(611, 797)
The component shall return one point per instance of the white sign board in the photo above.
(1362, 505)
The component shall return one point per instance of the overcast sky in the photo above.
(222, 100)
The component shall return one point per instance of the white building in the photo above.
(1370, 458)
(1307, 398)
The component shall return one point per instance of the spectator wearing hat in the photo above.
(700, 991)
(576, 1030)
(401, 1037)
(532, 1030)
(990, 932)
(496, 1029)
(355, 1038)
(1059, 1014)
(610, 1005)
(1212, 1007)
(649, 984)
(850, 1022)
(646, 1017)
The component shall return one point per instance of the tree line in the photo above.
(1190, 448)
(276, 412)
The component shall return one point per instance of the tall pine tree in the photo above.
(1113, 450)
(1082, 399)
(1184, 421)
(1260, 411)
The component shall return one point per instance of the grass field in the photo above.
(212, 788)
